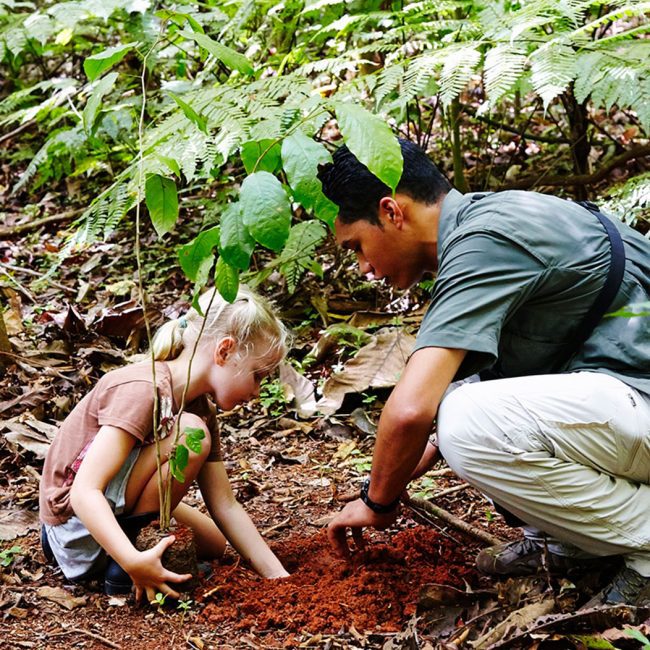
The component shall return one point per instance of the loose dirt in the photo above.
(377, 589)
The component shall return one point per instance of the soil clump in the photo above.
(180, 557)
(377, 589)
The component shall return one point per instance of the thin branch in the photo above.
(504, 127)
(562, 180)
(452, 520)
(9, 231)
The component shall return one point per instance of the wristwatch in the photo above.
(378, 508)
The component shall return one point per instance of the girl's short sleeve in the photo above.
(128, 406)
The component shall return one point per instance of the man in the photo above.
(561, 437)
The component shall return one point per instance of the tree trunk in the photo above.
(580, 145)
(459, 173)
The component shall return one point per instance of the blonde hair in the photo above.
(249, 320)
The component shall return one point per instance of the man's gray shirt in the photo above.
(517, 272)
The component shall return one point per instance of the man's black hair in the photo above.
(357, 192)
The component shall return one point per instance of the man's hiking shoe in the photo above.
(525, 557)
(628, 587)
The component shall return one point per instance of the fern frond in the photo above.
(553, 68)
(298, 253)
(504, 65)
(457, 70)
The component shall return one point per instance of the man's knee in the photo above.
(454, 431)
(469, 431)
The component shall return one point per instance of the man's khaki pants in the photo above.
(568, 454)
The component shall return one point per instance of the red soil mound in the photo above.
(377, 589)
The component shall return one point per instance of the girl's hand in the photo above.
(150, 576)
(283, 574)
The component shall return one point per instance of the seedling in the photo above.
(9, 554)
(185, 606)
(489, 515)
(159, 601)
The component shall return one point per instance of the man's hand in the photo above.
(355, 516)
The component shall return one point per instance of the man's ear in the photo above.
(223, 349)
(390, 210)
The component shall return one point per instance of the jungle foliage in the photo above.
(238, 102)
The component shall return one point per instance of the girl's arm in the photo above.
(234, 522)
(105, 456)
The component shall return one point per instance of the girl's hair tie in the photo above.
(182, 322)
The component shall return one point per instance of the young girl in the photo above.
(101, 466)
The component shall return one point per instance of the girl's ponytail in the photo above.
(249, 320)
(168, 340)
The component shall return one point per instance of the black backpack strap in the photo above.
(612, 282)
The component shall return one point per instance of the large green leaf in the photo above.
(162, 201)
(300, 158)
(98, 63)
(266, 209)
(260, 155)
(91, 109)
(227, 56)
(371, 140)
(197, 257)
(191, 114)
(237, 244)
(226, 279)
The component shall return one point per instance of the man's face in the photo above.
(387, 253)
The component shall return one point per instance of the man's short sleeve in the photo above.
(128, 406)
(482, 279)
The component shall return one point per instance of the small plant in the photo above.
(184, 606)
(368, 399)
(425, 488)
(272, 397)
(489, 515)
(8, 555)
(361, 464)
(159, 601)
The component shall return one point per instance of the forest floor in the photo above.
(414, 586)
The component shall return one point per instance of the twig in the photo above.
(80, 630)
(452, 520)
(19, 269)
(9, 231)
(17, 130)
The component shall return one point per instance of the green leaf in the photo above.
(98, 63)
(200, 120)
(226, 278)
(298, 254)
(197, 257)
(178, 463)
(260, 155)
(171, 164)
(193, 437)
(91, 109)
(630, 311)
(162, 202)
(371, 140)
(637, 635)
(179, 19)
(300, 158)
(236, 242)
(227, 56)
(266, 210)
